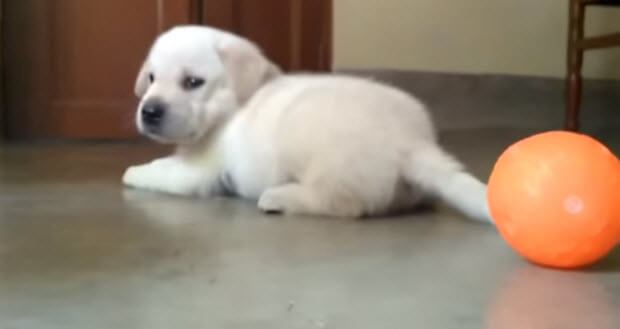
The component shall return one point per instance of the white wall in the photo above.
(525, 37)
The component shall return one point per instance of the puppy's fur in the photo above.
(313, 144)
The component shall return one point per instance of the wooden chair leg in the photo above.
(574, 65)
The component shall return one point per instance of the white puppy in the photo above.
(313, 144)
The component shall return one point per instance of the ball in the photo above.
(555, 198)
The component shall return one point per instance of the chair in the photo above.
(577, 45)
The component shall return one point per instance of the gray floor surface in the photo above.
(79, 251)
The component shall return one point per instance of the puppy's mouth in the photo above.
(154, 133)
(151, 131)
(157, 134)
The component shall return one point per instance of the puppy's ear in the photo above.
(246, 67)
(142, 81)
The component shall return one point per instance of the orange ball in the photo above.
(555, 198)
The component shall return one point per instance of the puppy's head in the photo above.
(193, 79)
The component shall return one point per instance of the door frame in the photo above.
(304, 15)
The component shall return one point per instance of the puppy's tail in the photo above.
(441, 175)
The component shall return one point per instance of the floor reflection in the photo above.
(540, 298)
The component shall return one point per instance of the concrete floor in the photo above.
(79, 251)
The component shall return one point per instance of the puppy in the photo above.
(305, 144)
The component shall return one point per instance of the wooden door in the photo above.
(70, 64)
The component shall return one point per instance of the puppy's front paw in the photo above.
(269, 203)
(136, 176)
(170, 176)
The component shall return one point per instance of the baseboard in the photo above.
(469, 101)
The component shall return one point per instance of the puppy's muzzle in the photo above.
(152, 113)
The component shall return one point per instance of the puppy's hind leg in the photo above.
(296, 198)
(441, 175)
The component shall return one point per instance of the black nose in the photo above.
(153, 112)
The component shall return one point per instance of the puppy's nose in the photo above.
(153, 112)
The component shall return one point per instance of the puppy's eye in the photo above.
(151, 77)
(190, 83)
